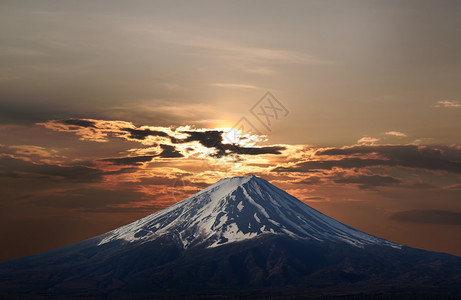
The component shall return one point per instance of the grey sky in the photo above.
(345, 69)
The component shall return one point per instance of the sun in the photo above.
(222, 122)
(231, 136)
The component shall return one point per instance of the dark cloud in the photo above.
(141, 134)
(16, 168)
(75, 173)
(311, 180)
(454, 187)
(79, 122)
(71, 173)
(209, 138)
(109, 209)
(214, 139)
(363, 149)
(443, 217)
(253, 150)
(346, 163)
(410, 156)
(422, 185)
(131, 160)
(369, 181)
(121, 171)
(363, 181)
(179, 181)
(314, 198)
(24, 113)
(88, 198)
(169, 152)
(424, 157)
(9, 174)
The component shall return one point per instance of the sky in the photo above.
(112, 110)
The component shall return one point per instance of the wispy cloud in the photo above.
(250, 53)
(396, 133)
(369, 181)
(428, 217)
(234, 85)
(31, 153)
(448, 104)
(367, 140)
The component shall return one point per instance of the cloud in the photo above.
(240, 52)
(434, 158)
(90, 199)
(169, 152)
(346, 163)
(141, 134)
(364, 179)
(421, 185)
(448, 104)
(9, 174)
(443, 217)
(234, 85)
(369, 181)
(122, 209)
(77, 173)
(387, 150)
(32, 153)
(313, 180)
(214, 139)
(442, 158)
(131, 160)
(16, 112)
(367, 140)
(254, 150)
(396, 133)
(99, 131)
(208, 138)
(456, 187)
(79, 122)
(315, 199)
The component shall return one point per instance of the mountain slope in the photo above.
(241, 237)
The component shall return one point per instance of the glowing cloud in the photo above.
(367, 140)
(448, 104)
(396, 133)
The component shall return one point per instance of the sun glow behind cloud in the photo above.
(223, 152)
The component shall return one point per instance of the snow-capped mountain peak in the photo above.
(235, 209)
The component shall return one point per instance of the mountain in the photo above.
(237, 209)
(241, 237)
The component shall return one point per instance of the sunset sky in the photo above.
(112, 110)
